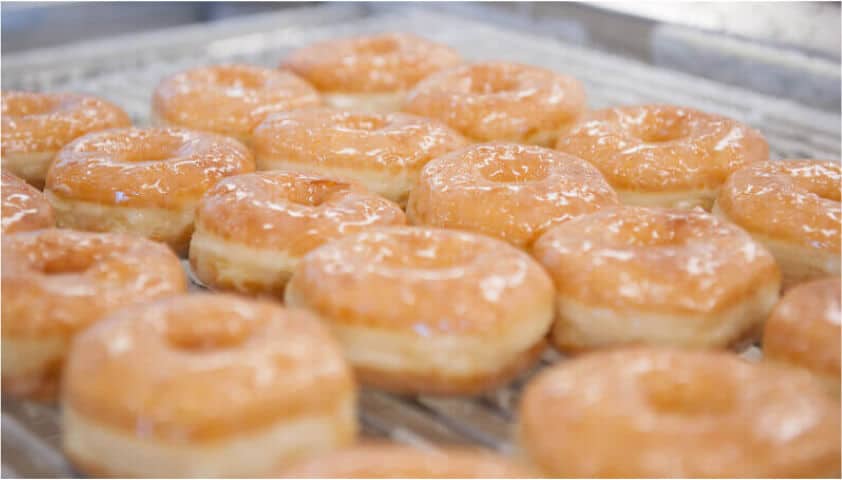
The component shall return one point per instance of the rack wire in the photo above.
(127, 71)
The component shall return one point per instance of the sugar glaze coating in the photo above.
(513, 192)
(678, 413)
(383, 151)
(663, 149)
(229, 99)
(638, 275)
(37, 125)
(804, 330)
(251, 387)
(252, 229)
(385, 62)
(500, 101)
(58, 282)
(24, 207)
(405, 338)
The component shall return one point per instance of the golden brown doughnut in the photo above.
(24, 207)
(500, 101)
(664, 413)
(37, 125)
(57, 282)
(638, 275)
(792, 207)
(663, 155)
(401, 461)
(803, 330)
(228, 99)
(382, 151)
(428, 311)
(252, 229)
(513, 192)
(142, 181)
(204, 386)
(370, 73)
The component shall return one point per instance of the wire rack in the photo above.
(127, 70)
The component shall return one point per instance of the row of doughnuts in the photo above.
(418, 309)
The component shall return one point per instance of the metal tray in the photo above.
(126, 70)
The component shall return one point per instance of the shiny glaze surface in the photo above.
(653, 258)
(291, 211)
(401, 461)
(370, 64)
(200, 367)
(657, 148)
(510, 191)
(24, 207)
(145, 167)
(60, 281)
(390, 142)
(498, 100)
(230, 99)
(804, 327)
(45, 122)
(792, 200)
(683, 414)
(485, 281)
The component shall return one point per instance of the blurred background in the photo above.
(788, 49)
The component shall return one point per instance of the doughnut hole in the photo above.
(526, 169)
(488, 80)
(66, 265)
(693, 393)
(673, 231)
(662, 127)
(421, 252)
(217, 330)
(316, 192)
(361, 122)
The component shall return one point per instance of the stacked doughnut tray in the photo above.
(127, 71)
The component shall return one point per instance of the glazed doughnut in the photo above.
(228, 99)
(141, 181)
(382, 151)
(500, 101)
(152, 392)
(513, 192)
(57, 282)
(804, 331)
(678, 414)
(24, 207)
(661, 155)
(405, 338)
(639, 275)
(37, 125)
(370, 73)
(399, 461)
(252, 229)
(792, 207)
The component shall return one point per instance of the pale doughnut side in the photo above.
(171, 226)
(104, 451)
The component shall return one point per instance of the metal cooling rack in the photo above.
(126, 71)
